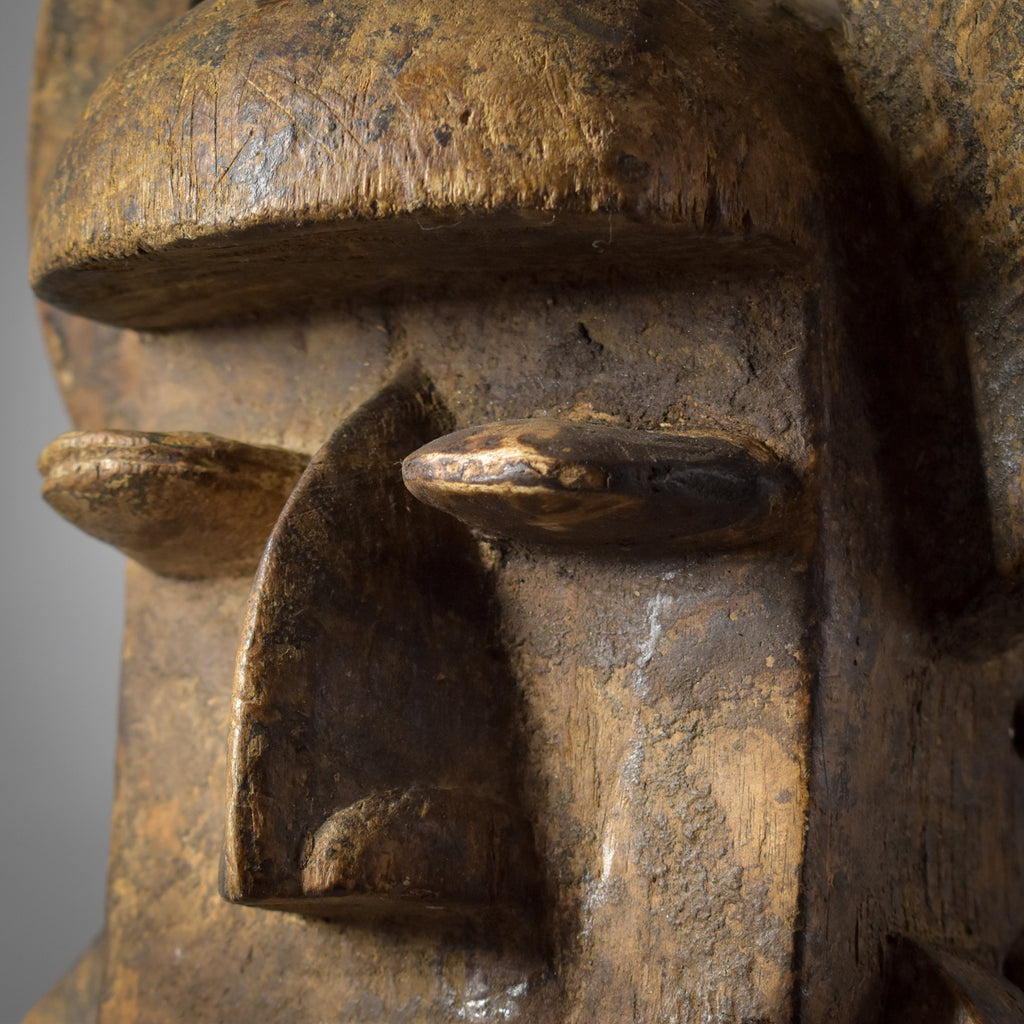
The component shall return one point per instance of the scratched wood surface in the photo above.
(364, 149)
(744, 773)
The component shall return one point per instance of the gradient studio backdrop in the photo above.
(60, 626)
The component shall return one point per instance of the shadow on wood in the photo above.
(374, 723)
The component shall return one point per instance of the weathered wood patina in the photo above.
(681, 678)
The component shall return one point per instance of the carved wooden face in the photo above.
(645, 707)
(533, 734)
(599, 745)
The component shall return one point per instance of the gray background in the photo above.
(60, 626)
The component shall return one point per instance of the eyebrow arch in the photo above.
(556, 482)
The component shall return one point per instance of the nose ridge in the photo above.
(372, 750)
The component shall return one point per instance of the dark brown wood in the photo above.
(937, 85)
(770, 780)
(930, 985)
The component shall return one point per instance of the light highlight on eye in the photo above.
(553, 482)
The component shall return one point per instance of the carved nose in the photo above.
(371, 766)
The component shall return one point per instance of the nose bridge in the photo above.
(371, 751)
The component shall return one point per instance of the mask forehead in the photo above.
(728, 355)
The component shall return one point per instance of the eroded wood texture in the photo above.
(79, 43)
(680, 747)
(628, 875)
(221, 962)
(743, 771)
(341, 147)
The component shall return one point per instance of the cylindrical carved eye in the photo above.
(589, 485)
(186, 504)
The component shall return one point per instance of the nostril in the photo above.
(455, 847)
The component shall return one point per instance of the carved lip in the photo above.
(249, 157)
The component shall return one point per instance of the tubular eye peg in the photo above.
(185, 504)
(549, 481)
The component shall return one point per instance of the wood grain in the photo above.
(742, 771)
(250, 158)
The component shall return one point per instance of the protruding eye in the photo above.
(188, 505)
(549, 481)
